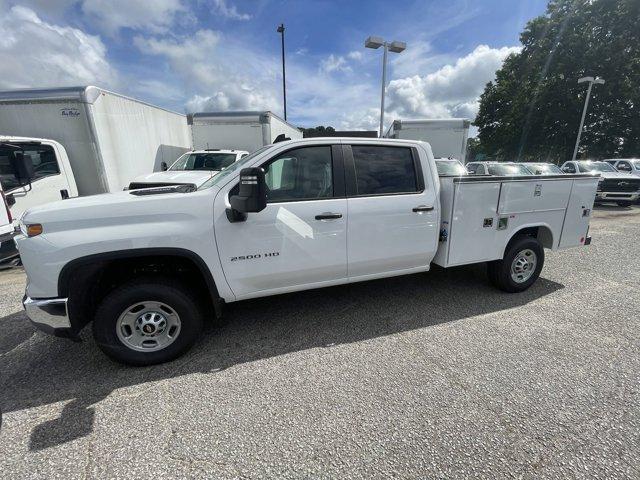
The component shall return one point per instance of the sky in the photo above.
(212, 55)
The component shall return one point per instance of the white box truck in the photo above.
(82, 141)
(447, 137)
(238, 130)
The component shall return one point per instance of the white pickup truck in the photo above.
(149, 266)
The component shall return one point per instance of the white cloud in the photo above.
(231, 78)
(451, 91)
(334, 63)
(229, 11)
(355, 55)
(156, 16)
(34, 53)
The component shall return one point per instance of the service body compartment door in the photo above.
(578, 214)
(473, 222)
(541, 195)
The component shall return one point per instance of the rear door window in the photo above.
(382, 170)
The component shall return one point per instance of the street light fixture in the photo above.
(591, 81)
(395, 47)
(280, 30)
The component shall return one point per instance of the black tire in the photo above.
(185, 305)
(499, 271)
(624, 203)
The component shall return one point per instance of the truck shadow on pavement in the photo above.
(38, 370)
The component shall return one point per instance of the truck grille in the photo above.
(620, 185)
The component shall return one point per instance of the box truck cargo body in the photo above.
(238, 130)
(109, 138)
(447, 137)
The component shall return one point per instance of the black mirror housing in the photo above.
(23, 168)
(164, 167)
(252, 194)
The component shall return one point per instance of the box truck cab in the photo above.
(52, 179)
(192, 168)
(149, 266)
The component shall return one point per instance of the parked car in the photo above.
(508, 169)
(450, 166)
(192, 168)
(626, 165)
(614, 186)
(543, 168)
(149, 266)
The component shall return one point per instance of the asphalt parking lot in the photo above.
(430, 375)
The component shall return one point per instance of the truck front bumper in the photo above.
(617, 196)
(49, 315)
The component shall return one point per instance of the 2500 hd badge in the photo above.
(255, 256)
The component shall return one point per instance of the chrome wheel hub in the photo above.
(524, 265)
(148, 326)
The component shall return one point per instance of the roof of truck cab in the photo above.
(83, 94)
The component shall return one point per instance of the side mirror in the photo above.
(23, 168)
(164, 166)
(252, 195)
(11, 200)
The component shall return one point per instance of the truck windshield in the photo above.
(544, 169)
(448, 167)
(203, 161)
(587, 167)
(235, 166)
(508, 169)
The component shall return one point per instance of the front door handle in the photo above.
(422, 208)
(328, 216)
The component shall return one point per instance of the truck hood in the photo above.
(196, 177)
(613, 175)
(117, 209)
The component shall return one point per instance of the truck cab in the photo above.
(52, 176)
(626, 165)
(195, 168)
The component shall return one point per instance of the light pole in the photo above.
(591, 81)
(395, 47)
(280, 30)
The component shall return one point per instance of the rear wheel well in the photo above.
(85, 282)
(541, 233)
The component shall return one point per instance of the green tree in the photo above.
(320, 131)
(532, 110)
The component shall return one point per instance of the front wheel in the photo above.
(520, 267)
(147, 321)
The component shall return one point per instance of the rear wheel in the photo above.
(520, 267)
(624, 203)
(147, 321)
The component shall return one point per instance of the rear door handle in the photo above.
(422, 208)
(328, 216)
